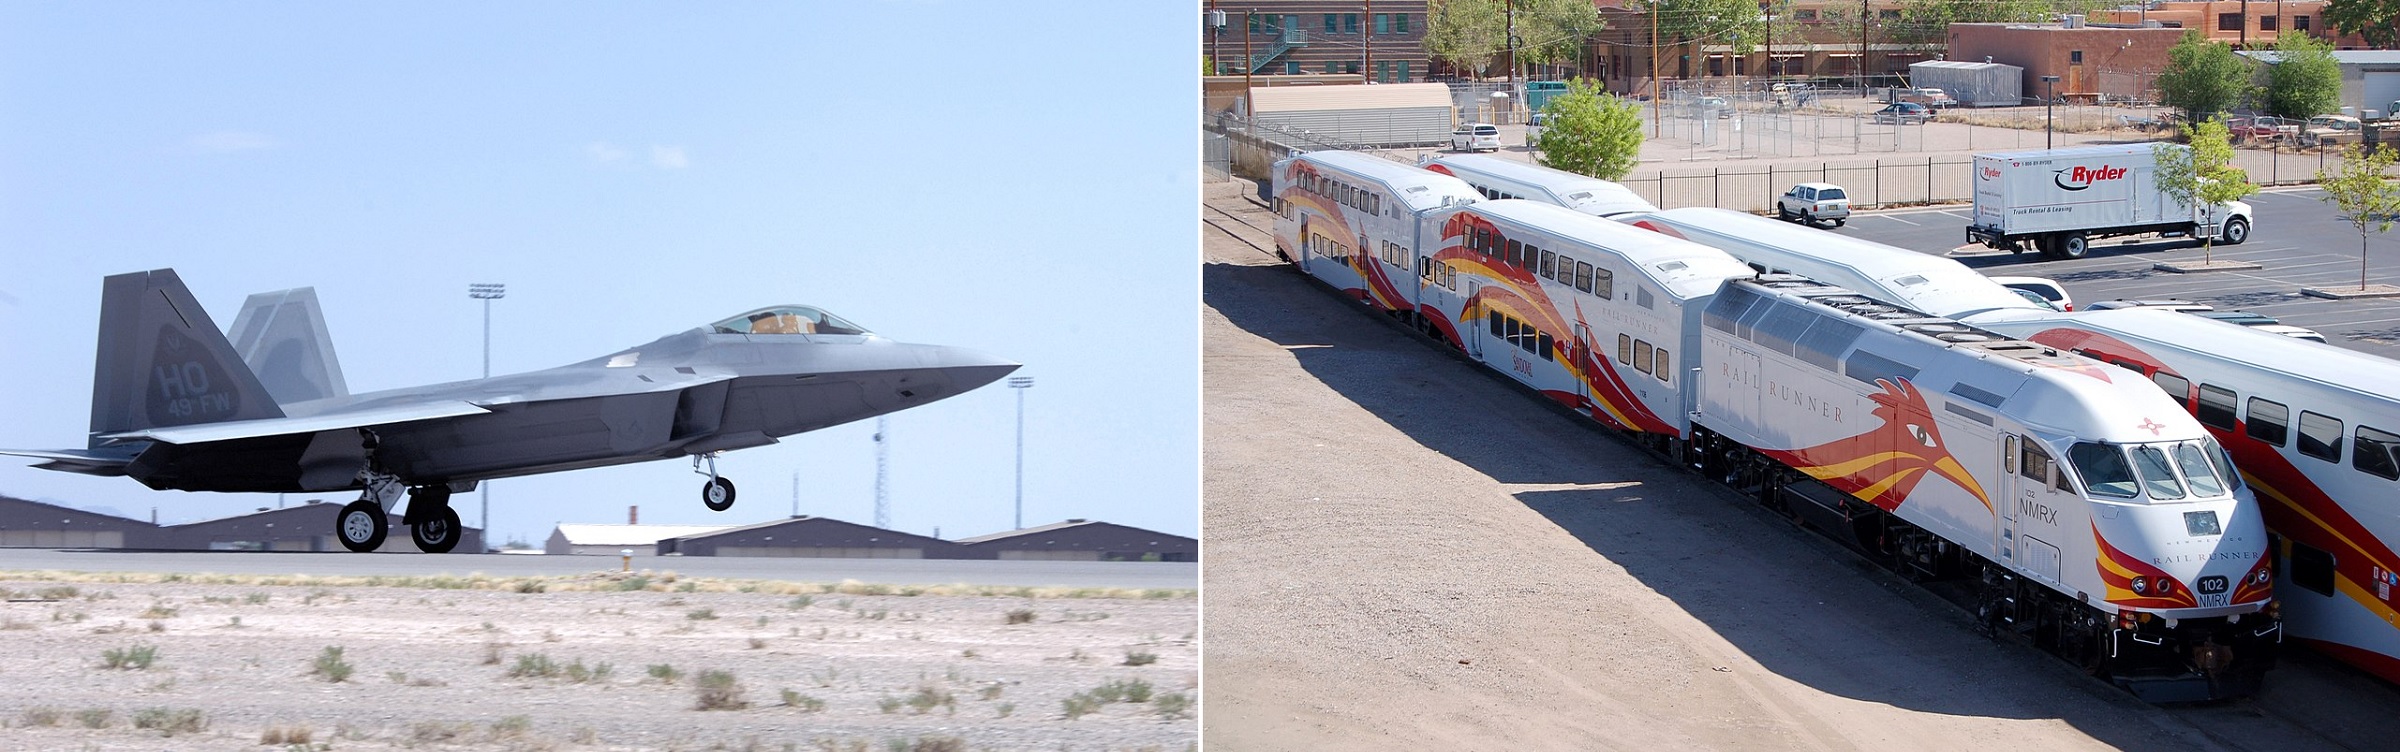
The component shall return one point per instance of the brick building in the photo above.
(2235, 22)
(2092, 63)
(1383, 41)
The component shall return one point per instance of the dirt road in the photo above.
(1406, 553)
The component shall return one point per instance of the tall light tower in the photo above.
(1020, 384)
(487, 292)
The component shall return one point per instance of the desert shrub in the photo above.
(928, 698)
(718, 690)
(1173, 706)
(805, 703)
(535, 666)
(40, 717)
(933, 744)
(991, 691)
(95, 718)
(171, 722)
(701, 614)
(1021, 616)
(596, 673)
(636, 582)
(665, 673)
(282, 735)
(1079, 705)
(511, 728)
(800, 602)
(331, 667)
(1140, 658)
(133, 658)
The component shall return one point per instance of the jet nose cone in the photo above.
(969, 369)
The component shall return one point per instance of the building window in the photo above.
(2299, 23)
(1383, 71)
(1383, 23)
(1400, 26)
(1349, 23)
(1804, 14)
(2229, 22)
(1404, 65)
(1274, 22)
(2075, 57)
(2266, 23)
(1291, 67)
(1332, 23)
(1333, 67)
(1350, 66)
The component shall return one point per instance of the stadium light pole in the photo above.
(487, 292)
(2049, 105)
(1020, 384)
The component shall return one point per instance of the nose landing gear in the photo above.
(717, 493)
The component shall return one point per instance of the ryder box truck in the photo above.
(2058, 200)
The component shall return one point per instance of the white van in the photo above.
(1476, 137)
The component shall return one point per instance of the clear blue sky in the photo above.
(1013, 178)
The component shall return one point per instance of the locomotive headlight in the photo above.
(2165, 586)
(2141, 586)
(2261, 576)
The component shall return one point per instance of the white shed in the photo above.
(1368, 114)
(1972, 84)
(608, 540)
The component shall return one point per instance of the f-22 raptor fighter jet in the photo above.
(175, 406)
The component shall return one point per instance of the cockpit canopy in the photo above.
(790, 319)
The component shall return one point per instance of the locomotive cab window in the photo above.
(2033, 463)
(2104, 469)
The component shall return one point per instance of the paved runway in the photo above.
(1111, 574)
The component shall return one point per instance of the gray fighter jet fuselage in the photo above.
(174, 407)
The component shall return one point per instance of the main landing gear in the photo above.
(717, 493)
(362, 524)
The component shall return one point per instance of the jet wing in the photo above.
(251, 429)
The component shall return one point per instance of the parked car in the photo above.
(1533, 128)
(1928, 96)
(1716, 106)
(2180, 306)
(2332, 130)
(1810, 203)
(1476, 137)
(2261, 128)
(1902, 113)
(2293, 332)
(2050, 291)
(2035, 298)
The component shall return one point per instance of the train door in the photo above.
(2034, 496)
(2004, 538)
(1470, 330)
(1575, 355)
(1308, 244)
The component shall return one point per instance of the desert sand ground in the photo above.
(603, 661)
(1408, 553)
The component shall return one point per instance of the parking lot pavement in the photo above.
(2299, 241)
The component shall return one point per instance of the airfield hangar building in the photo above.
(813, 537)
(579, 539)
(33, 524)
(1083, 540)
(306, 527)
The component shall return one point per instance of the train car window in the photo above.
(2197, 470)
(1549, 265)
(2217, 405)
(2033, 463)
(1642, 297)
(1625, 349)
(1450, 277)
(2320, 437)
(1604, 283)
(2103, 469)
(2158, 475)
(2312, 568)
(1515, 253)
(1583, 277)
(2373, 453)
(1641, 355)
(2058, 480)
(2177, 387)
(2270, 421)
(1868, 368)
(1661, 365)
(1543, 345)
(1495, 318)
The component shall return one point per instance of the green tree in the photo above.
(2366, 197)
(2377, 20)
(1591, 132)
(2202, 77)
(2202, 174)
(1927, 22)
(2304, 81)
(1472, 35)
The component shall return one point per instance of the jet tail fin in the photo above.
(282, 337)
(162, 363)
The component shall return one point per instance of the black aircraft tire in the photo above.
(717, 493)
(361, 526)
(437, 535)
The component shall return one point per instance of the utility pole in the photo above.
(1216, 29)
(1655, 122)
(1767, 8)
(1020, 384)
(2245, 24)
(1249, 21)
(1366, 45)
(1864, 17)
(487, 292)
(1512, 60)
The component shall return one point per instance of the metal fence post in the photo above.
(1716, 187)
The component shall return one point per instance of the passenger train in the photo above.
(2094, 516)
(1497, 178)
